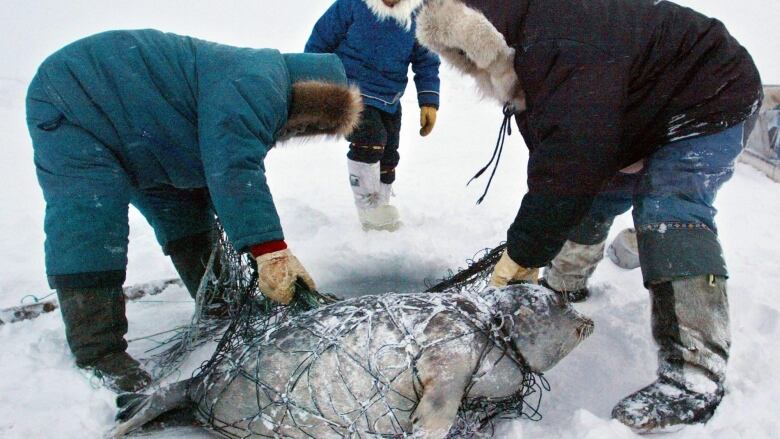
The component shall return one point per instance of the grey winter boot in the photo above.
(691, 327)
(569, 272)
(95, 326)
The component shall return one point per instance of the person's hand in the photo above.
(427, 120)
(507, 271)
(277, 273)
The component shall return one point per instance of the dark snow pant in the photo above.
(673, 207)
(376, 139)
(87, 193)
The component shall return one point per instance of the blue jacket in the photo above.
(124, 112)
(376, 54)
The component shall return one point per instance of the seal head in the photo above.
(543, 327)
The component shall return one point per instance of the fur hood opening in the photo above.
(465, 38)
(322, 108)
(402, 11)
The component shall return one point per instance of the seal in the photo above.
(388, 365)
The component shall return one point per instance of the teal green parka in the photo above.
(171, 124)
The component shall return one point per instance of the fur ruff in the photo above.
(322, 108)
(468, 40)
(402, 12)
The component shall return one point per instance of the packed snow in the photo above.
(43, 394)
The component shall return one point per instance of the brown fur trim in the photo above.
(322, 108)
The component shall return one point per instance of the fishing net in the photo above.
(310, 371)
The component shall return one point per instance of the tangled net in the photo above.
(361, 401)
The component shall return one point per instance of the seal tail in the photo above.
(137, 409)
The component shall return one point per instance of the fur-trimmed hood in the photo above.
(322, 108)
(402, 11)
(468, 40)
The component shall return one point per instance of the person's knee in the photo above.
(366, 153)
(673, 250)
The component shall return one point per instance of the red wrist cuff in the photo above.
(267, 247)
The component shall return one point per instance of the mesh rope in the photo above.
(366, 346)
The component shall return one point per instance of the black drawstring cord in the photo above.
(506, 130)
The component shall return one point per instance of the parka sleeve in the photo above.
(425, 65)
(238, 114)
(574, 95)
(331, 29)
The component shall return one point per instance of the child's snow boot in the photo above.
(569, 272)
(372, 197)
(691, 326)
(95, 326)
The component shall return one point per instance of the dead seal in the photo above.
(389, 366)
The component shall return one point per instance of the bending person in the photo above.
(178, 127)
(602, 86)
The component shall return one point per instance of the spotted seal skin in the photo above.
(390, 365)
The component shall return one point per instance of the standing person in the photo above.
(602, 86)
(178, 127)
(375, 40)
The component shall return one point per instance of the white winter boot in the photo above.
(372, 197)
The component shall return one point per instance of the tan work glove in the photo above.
(277, 273)
(507, 271)
(427, 120)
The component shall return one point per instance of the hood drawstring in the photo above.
(506, 130)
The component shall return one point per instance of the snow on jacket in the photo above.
(603, 84)
(182, 112)
(376, 53)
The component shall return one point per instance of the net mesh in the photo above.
(363, 349)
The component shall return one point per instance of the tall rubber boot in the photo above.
(690, 321)
(95, 326)
(569, 272)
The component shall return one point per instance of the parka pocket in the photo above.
(52, 124)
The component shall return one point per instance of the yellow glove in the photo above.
(427, 120)
(507, 271)
(277, 273)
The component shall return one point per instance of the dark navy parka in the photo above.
(376, 54)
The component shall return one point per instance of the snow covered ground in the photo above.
(43, 395)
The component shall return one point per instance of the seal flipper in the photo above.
(439, 403)
(136, 410)
(437, 409)
(128, 403)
